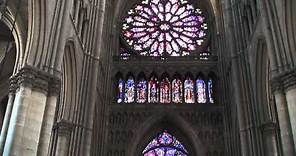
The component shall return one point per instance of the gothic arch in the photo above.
(13, 22)
(262, 79)
(174, 124)
(290, 24)
(70, 83)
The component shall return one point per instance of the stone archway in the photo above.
(172, 123)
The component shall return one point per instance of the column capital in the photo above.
(36, 79)
(284, 81)
(64, 127)
(269, 126)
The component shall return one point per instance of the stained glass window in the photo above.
(165, 91)
(129, 90)
(165, 145)
(164, 28)
(201, 91)
(153, 90)
(177, 91)
(120, 91)
(142, 91)
(189, 90)
(210, 90)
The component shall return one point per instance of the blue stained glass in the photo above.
(189, 91)
(142, 91)
(129, 90)
(201, 91)
(177, 91)
(165, 91)
(153, 90)
(120, 91)
(165, 145)
(210, 90)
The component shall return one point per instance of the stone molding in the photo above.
(269, 127)
(64, 127)
(285, 81)
(35, 79)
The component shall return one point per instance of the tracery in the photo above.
(165, 144)
(164, 28)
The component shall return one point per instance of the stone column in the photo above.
(288, 80)
(269, 137)
(27, 116)
(7, 116)
(49, 117)
(283, 118)
(64, 132)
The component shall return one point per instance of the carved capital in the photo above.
(35, 79)
(12, 85)
(269, 127)
(284, 81)
(64, 127)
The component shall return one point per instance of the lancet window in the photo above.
(153, 90)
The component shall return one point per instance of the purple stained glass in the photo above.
(120, 91)
(164, 27)
(210, 90)
(142, 91)
(201, 91)
(165, 145)
(153, 90)
(189, 90)
(129, 90)
(177, 91)
(165, 91)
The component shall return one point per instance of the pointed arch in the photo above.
(141, 88)
(189, 89)
(201, 95)
(172, 123)
(165, 89)
(70, 82)
(153, 88)
(212, 87)
(262, 79)
(119, 85)
(11, 19)
(129, 96)
(177, 89)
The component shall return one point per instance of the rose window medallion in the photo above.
(164, 28)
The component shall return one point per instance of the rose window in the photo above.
(164, 28)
